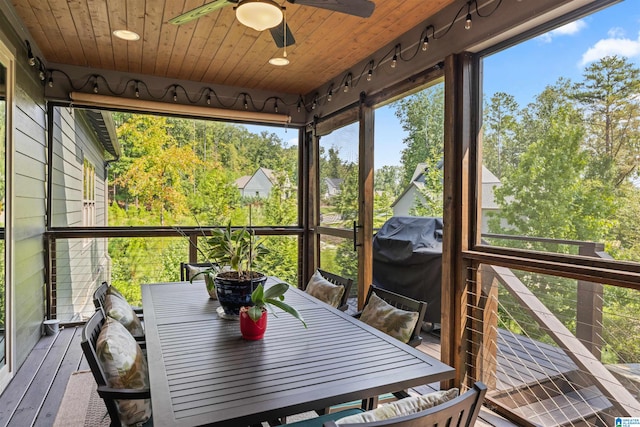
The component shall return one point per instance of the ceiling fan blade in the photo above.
(278, 36)
(200, 11)
(362, 8)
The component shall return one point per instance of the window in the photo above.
(560, 155)
(88, 194)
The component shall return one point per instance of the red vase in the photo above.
(250, 329)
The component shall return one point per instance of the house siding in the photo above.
(29, 203)
(258, 186)
(81, 264)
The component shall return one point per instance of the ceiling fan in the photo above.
(267, 14)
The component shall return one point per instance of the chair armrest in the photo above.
(123, 393)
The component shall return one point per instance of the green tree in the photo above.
(609, 96)
(388, 180)
(214, 196)
(546, 195)
(158, 173)
(422, 116)
(346, 200)
(500, 143)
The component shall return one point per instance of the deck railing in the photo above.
(79, 259)
(551, 348)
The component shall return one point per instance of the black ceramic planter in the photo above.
(234, 293)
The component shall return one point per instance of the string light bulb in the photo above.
(50, 82)
(137, 90)
(425, 43)
(175, 95)
(95, 86)
(30, 58)
(209, 98)
(330, 95)
(315, 103)
(369, 75)
(299, 106)
(246, 104)
(275, 105)
(467, 23)
(346, 87)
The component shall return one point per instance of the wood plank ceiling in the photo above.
(215, 49)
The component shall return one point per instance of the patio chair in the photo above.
(89, 344)
(403, 303)
(100, 294)
(340, 281)
(189, 269)
(124, 312)
(461, 411)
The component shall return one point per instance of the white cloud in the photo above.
(612, 46)
(616, 33)
(566, 30)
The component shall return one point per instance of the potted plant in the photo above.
(235, 251)
(253, 319)
(209, 275)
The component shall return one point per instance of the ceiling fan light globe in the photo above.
(279, 62)
(259, 14)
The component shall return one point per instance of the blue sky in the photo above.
(523, 70)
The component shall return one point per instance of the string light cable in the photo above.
(178, 92)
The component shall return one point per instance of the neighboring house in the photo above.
(403, 204)
(259, 184)
(84, 140)
(333, 186)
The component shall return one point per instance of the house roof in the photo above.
(105, 128)
(489, 181)
(334, 182)
(242, 181)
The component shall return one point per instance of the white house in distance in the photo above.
(333, 186)
(403, 204)
(259, 184)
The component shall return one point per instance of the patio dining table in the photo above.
(202, 372)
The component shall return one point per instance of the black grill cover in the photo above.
(407, 259)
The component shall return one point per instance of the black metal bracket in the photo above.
(355, 236)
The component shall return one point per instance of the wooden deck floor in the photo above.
(35, 393)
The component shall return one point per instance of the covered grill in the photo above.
(407, 259)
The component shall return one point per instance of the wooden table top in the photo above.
(203, 373)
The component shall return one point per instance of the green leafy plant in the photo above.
(274, 295)
(238, 249)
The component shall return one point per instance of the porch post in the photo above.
(365, 200)
(460, 122)
(589, 307)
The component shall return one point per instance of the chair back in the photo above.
(99, 295)
(184, 270)
(461, 412)
(341, 281)
(404, 303)
(90, 334)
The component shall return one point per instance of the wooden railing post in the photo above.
(589, 307)
(486, 354)
(193, 248)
